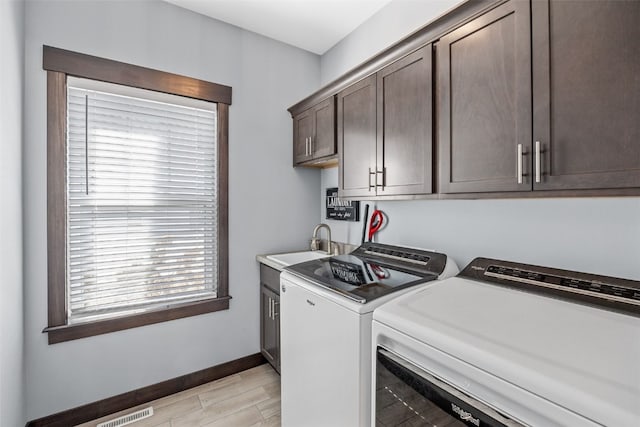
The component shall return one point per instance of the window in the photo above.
(137, 196)
(141, 197)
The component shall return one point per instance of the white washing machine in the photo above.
(506, 344)
(326, 311)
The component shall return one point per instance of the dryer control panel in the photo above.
(603, 291)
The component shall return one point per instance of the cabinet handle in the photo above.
(310, 145)
(275, 313)
(383, 178)
(270, 308)
(538, 165)
(519, 154)
(372, 173)
(306, 146)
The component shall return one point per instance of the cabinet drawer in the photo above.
(270, 277)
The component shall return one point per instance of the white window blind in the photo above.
(141, 202)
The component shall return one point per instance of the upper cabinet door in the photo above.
(484, 103)
(324, 139)
(404, 139)
(357, 139)
(586, 83)
(302, 136)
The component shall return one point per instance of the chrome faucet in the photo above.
(315, 241)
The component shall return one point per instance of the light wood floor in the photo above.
(249, 398)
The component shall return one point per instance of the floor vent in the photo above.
(129, 418)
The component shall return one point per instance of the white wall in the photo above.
(11, 295)
(598, 235)
(393, 22)
(267, 77)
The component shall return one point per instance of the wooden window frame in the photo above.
(59, 64)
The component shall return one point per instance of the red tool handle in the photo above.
(375, 223)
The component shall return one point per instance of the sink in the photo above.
(296, 257)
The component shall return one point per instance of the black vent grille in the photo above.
(400, 255)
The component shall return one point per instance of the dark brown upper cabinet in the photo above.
(484, 103)
(314, 134)
(357, 139)
(586, 99)
(404, 153)
(533, 98)
(302, 131)
(385, 130)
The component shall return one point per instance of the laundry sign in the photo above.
(341, 210)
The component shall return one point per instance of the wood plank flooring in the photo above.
(250, 398)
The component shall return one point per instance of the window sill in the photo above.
(58, 334)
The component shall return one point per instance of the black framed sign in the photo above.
(341, 210)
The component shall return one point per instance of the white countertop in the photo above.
(266, 260)
(345, 248)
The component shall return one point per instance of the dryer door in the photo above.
(407, 395)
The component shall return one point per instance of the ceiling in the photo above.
(313, 25)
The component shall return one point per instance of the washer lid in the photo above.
(373, 270)
(583, 358)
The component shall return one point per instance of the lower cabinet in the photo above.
(270, 315)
